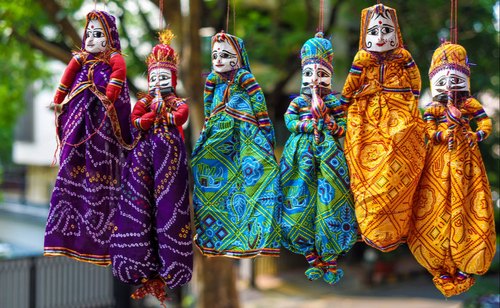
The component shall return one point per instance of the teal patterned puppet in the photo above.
(318, 218)
(237, 198)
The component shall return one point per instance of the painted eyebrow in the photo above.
(226, 51)
(373, 27)
(387, 25)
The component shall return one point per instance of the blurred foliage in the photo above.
(19, 66)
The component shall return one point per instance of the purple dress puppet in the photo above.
(93, 131)
(151, 244)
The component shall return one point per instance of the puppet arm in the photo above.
(74, 66)
(142, 117)
(484, 124)
(353, 81)
(337, 121)
(254, 91)
(414, 74)
(178, 116)
(118, 76)
(433, 116)
(208, 96)
(293, 122)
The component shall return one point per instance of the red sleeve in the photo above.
(67, 79)
(181, 114)
(118, 76)
(141, 116)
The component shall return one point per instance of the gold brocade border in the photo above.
(265, 252)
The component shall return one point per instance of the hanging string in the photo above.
(160, 19)
(227, 15)
(321, 15)
(454, 21)
(95, 5)
(234, 17)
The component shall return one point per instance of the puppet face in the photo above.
(161, 77)
(316, 74)
(224, 57)
(95, 39)
(381, 33)
(449, 80)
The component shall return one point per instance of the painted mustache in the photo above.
(321, 84)
(452, 88)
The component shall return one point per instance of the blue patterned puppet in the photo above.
(237, 198)
(318, 218)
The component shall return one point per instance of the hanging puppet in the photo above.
(151, 244)
(237, 198)
(93, 130)
(384, 143)
(318, 218)
(453, 234)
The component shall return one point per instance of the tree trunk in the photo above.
(217, 282)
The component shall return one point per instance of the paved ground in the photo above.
(293, 290)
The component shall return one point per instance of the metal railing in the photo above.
(42, 282)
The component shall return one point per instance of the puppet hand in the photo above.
(473, 137)
(147, 120)
(480, 135)
(112, 92)
(59, 97)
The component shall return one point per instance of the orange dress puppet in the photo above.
(384, 144)
(453, 234)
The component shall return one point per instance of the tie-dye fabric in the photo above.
(152, 236)
(384, 144)
(453, 233)
(237, 198)
(93, 137)
(318, 218)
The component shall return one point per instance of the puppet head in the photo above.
(162, 64)
(449, 72)
(101, 33)
(379, 29)
(317, 63)
(228, 53)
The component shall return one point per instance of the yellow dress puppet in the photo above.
(454, 229)
(384, 144)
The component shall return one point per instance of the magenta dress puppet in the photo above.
(152, 244)
(93, 130)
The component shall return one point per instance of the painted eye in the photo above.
(441, 82)
(224, 55)
(373, 32)
(88, 34)
(98, 34)
(153, 79)
(386, 30)
(457, 80)
(322, 74)
(308, 73)
(214, 56)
